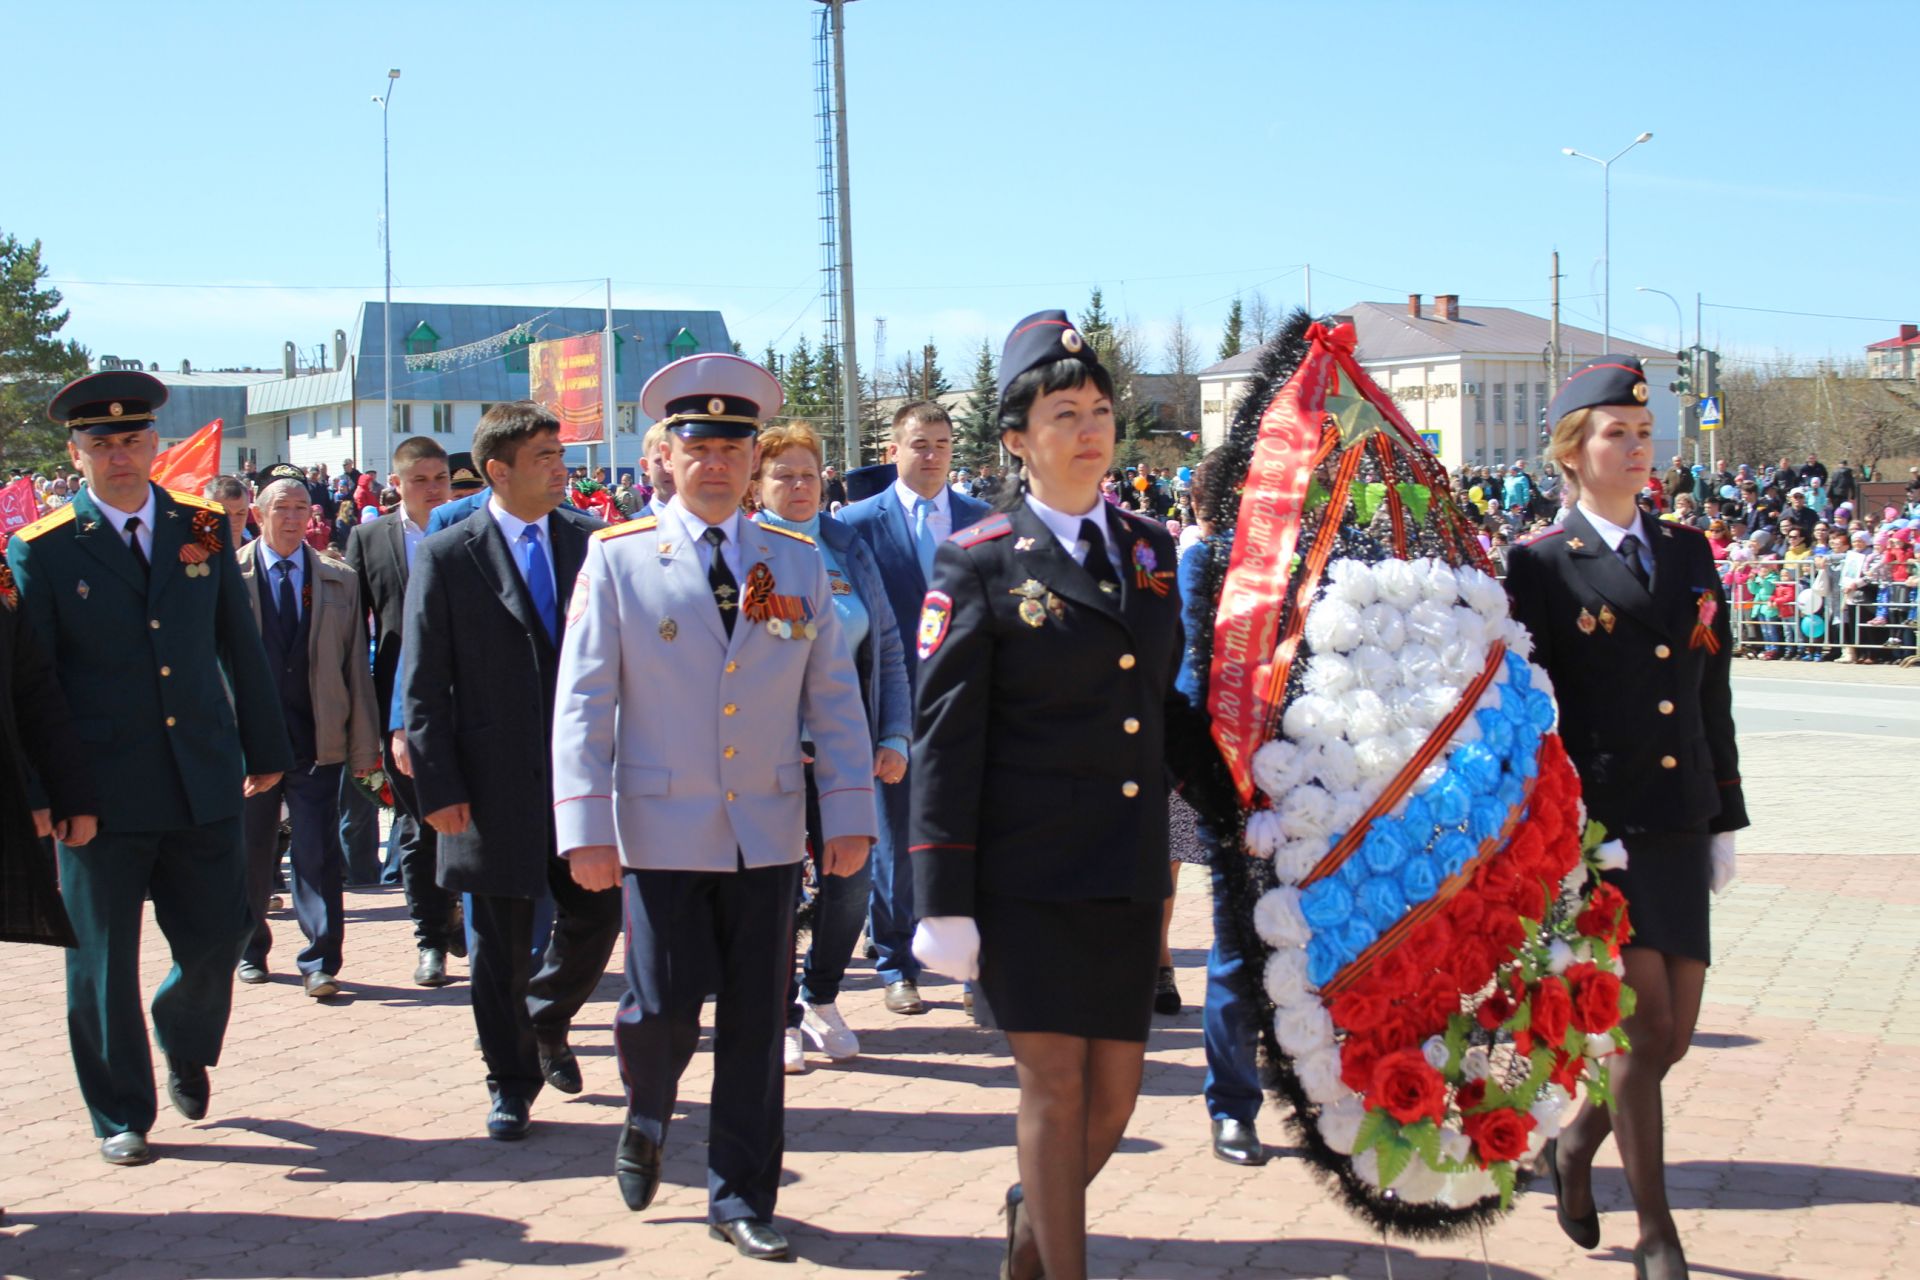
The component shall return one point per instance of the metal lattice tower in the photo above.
(832, 427)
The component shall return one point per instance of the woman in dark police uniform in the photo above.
(1629, 619)
(1047, 718)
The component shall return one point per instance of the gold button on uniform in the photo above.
(1666, 708)
(1668, 762)
(1126, 662)
(1130, 724)
(1661, 651)
(728, 710)
(728, 753)
(154, 623)
(732, 667)
(169, 722)
(166, 671)
(1129, 789)
(729, 797)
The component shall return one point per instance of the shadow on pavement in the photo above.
(196, 1245)
(1759, 1184)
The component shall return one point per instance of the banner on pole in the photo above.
(564, 377)
(188, 466)
(19, 507)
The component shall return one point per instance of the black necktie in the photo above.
(1098, 563)
(133, 541)
(726, 589)
(1629, 553)
(283, 596)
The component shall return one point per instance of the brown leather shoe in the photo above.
(904, 997)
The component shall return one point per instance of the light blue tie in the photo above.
(923, 534)
(539, 576)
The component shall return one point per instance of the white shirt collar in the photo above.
(695, 528)
(267, 557)
(907, 497)
(1611, 533)
(118, 518)
(512, 525)
(1066, 526)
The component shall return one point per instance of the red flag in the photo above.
(18, 507)
(188, 466)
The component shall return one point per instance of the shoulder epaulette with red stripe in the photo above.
(994, 526)
(1541, 536)
(1675, 524)
(631, 526)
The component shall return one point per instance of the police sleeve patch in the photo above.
(577, 605)
(936, 614)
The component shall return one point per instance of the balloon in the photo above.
(1140, 483)
(1810, 602)
(1813, 626)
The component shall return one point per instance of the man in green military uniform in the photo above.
(136, 593)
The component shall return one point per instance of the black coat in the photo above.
(477, 674)
(377, 551)
(41, 766)
(1646, 705)
(1043, 742)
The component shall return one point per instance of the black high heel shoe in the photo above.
(1011, 1211)
(1585, 1230)
(1640, 1266)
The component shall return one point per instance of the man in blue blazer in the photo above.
(903, 525)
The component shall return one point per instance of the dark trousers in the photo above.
(197, 879)
(312, 797)
(430, 906)
(690, 933)
(514, 1006)
(838, 909)
(890, 912)
(359, 833)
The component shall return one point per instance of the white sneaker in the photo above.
(827, 1029)
(795, 1057)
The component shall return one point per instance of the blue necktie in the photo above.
(923, 534)
(539, 576)
(283, 601)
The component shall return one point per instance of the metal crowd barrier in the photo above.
(1803, 611)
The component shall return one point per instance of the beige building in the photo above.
(1896, 357)
(1472, 380)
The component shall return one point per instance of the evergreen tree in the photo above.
(930, 381)
(34, 362)
(1097, 327)
(1230, 340)
(977, 426)
(799, 379)
(770, 360)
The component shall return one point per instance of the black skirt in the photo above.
(1075, 968)
(1665, 883)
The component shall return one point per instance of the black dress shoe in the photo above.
(457, 931)
(559, 1066)
(251, 974)
(510, 1119)
(904, 997)
(752, 1237)
(126, 1148)
(1016, 1201)
(1238, 1143)
(1584, 1230)
(1166, 995)
(188, 1088)
(636, 1168)
(432, 969)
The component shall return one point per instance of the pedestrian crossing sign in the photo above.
(1710, 413)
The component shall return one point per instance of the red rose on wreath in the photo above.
(1529, 896)
(1497, 879)
(1470, 1095)
(1566, 1071)
(1500, 1134)
(1494, 1010)
(1357, 1059)
(1408, 1088)
(1596, 998)
(1552, 1012)
(1358, 1010)
(1468, 968)
(1605, 915)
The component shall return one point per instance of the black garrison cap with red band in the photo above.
(1042, 338)
(1609, 380)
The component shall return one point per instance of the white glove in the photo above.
(1724, 866)
(949, 944)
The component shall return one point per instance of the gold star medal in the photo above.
(1606, 618)
(1585, 623)
(1032, 612)
(669, 629)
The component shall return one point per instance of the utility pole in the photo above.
(1553, 334)
(1308, 268)
(609, 395)
(386, 239)
(849, 336)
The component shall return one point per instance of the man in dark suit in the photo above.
(469, 489)
(381, 552)
(136, 593)
(486, 610)
(903, 524)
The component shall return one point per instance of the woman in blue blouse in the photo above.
(788, 486)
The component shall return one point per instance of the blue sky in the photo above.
(1006, 156)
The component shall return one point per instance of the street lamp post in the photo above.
(1606, 229)
(386, 242)
(1680, 336)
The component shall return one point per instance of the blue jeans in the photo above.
(890, 911)
(1228, 1020)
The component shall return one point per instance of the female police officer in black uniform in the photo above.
(1047, 718)
(1629, 619)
